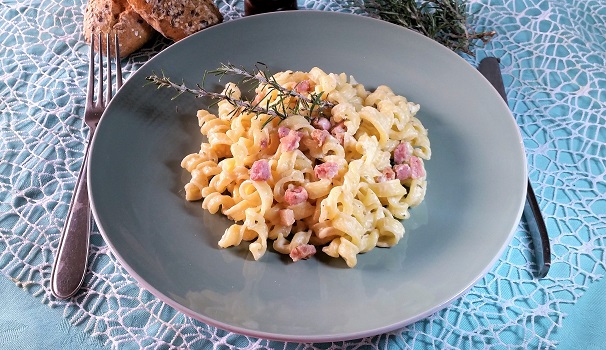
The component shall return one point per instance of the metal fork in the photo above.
(71, 260)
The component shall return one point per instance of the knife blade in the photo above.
(489, 68)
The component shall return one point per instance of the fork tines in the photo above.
(116, 54)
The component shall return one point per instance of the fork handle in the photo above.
(72, 255)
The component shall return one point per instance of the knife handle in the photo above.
(489, 67)
(253, 7)
(538, 232)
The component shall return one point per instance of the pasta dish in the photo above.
(337, 175)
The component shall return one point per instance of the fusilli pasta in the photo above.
(341, 179)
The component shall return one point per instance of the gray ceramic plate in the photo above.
(474, 199)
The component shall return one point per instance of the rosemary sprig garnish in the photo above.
(165, 82)
(445, 21)
(281, 107)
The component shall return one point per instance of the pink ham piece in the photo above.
(291, 140)
(387, 175)
(338, 131)
(264, 143)
(319, 136)
(403, 172)
(287, 217)
(326, 170)
(303, 86)
(413, 170)
(416, 167)
(304, 251)
(402, 153)
(295, 195)
(321, 123)
(260, 170)
(283, 131)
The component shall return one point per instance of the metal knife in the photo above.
(489, 67)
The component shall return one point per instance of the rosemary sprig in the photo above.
(445, 21)
(280, 107)
(305, 105)
(165, 82)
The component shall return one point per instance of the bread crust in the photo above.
(116, 16)
(177, 19)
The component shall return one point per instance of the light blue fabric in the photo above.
(27, 324)
(553, 56)
(585, 327)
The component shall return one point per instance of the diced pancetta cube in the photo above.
(402, 152)
(319, 136)
(387, 175)
(303, 86)
(304, 251)
(321, 123)
(403, 172)
(283, 131)
(416, 166)
(260, 170)
(338, 131)
(263, 143)
(295, 195)
(338, 128)
(326, 170)
(290, 141)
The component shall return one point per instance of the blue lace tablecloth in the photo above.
(553, 55)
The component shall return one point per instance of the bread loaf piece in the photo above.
(116, 16)
(177, 19)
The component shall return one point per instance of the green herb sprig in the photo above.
(305, 105)
(445, 21)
